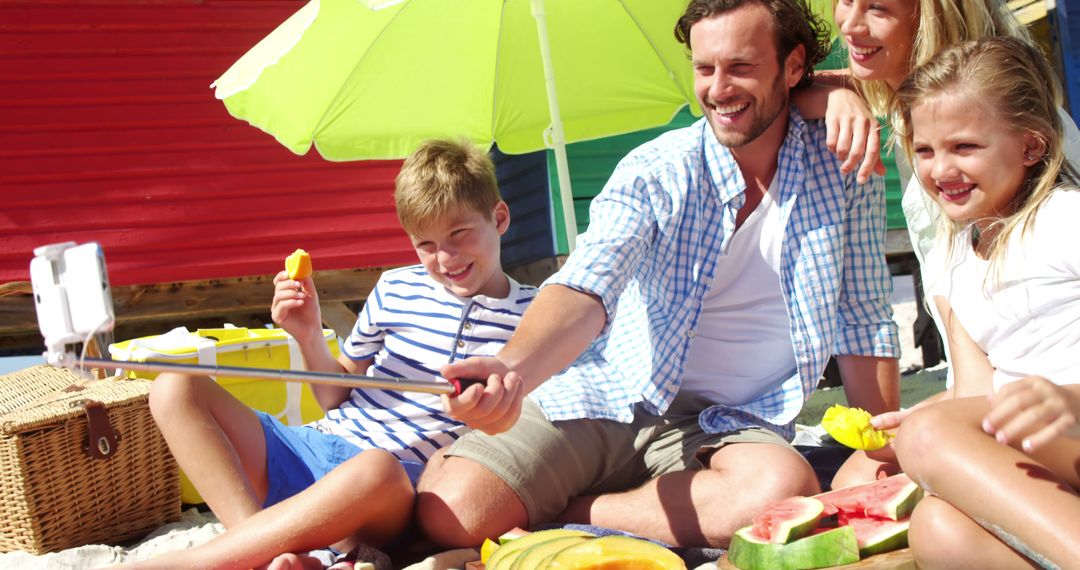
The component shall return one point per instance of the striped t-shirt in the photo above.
(410, 326)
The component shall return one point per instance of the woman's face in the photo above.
(879, 35)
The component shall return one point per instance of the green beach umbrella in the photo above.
(373, 79)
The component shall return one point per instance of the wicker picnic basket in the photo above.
(81, 462)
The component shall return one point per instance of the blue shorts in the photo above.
(298, 456)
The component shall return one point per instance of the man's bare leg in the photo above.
(702, 508)
(460, 503)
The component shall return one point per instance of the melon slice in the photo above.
(792, 518)
(875, 535)
(615, 552)
(512, 534)
(830, 548)
(851, 427)
(517, 545)
(298, 265)
(539, 555)
(891, 498)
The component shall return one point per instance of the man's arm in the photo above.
(556, 328)
(870, 382)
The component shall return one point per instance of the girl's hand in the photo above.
(1034, 410)
(890, 421)
(852, 134)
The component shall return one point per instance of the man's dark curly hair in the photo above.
(793, 22)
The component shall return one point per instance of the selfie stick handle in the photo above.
(451, 388)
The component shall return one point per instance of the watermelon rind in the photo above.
(875, 536)
(831, 548)
(806, 512)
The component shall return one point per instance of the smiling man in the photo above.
(665, 363)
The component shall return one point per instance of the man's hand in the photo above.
(1034, 410)
(852, 134)
(493, 407)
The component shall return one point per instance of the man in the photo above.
(724, 263)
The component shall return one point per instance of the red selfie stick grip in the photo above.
(461, 384)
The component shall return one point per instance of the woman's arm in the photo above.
(851, 129)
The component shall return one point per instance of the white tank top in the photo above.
(742, 344)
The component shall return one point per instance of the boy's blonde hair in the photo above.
(1012, 79)
(441, 178)
(940, 24)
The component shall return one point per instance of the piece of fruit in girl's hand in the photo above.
(851, 427)
(298, 265)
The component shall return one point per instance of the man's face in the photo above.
(737, 76)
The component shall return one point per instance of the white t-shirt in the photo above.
(742, 344)
(1026, 315)
(410, 326)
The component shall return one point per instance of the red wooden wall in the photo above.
(109, 132)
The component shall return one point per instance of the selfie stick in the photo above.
(74, 302)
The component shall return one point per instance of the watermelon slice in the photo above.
(891, 498)
(784, 521)
(833, 547)
(875, 535)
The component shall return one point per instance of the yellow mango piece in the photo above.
(851, 427)
(298, 265)
(486, 549)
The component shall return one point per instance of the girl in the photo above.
(981, 126)
(886, 39)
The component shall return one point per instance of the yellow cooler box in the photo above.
(291, 402)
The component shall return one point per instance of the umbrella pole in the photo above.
(558, 139)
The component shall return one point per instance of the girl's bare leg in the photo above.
(1028, 502)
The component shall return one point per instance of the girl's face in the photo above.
(969, 162)
(879, 35)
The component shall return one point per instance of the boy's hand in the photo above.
(493, 407)
(295, 307)
(1034, 410)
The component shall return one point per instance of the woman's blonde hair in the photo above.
(1012, 79)
(943, 23)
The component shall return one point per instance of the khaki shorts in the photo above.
(548, 463)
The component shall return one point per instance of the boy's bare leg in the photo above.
(699, 508)
(368, 498)
(944, 448)
(216, 440)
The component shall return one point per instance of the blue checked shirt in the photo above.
(651, 252)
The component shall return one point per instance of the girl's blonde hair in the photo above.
(943, 23)
(1013, 79)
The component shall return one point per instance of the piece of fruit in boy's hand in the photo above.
(851, 427)
(298, 265)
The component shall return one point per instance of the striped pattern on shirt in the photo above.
(410, 326)
(656, 234)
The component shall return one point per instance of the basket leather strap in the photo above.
(102, 439)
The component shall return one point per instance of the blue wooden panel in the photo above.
(1065, 26)
(524, 186)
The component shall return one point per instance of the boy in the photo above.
(457, 303)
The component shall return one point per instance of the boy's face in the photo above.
(461, 251)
